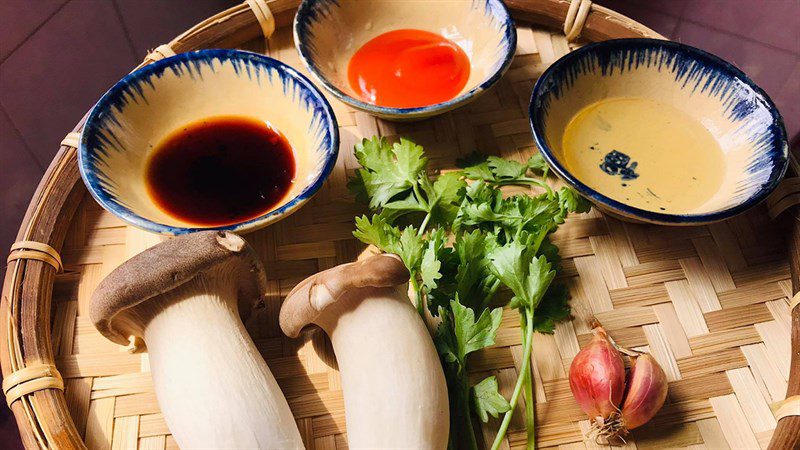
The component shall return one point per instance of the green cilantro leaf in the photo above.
(503, 171)
(460, 334)
(472, 159)
(570, 201)
(525, 213)
(550, 251)
(409, 248)
(472, 335)
(430, 265)
(487, 401)
(444, 196)
(445, 290)
(376, 232)
(528, 278)
(494, 169)
(387, 170)
(474, 278)
(356, 185)
(480, 171)
(553, 308)
(410, 159)
(537, 163)
(506, 169)
(398, 208)
(484, 207)
(429, 268)
(509, 267)
(538, 279)
(445, 341)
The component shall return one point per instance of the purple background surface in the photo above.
(58, 56)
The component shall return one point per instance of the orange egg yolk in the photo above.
(407, 69)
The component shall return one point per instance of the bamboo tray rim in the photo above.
(42, 415)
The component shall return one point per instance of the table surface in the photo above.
(32, 61)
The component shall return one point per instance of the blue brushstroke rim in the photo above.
(779, 146)
(306, 14)
(116, 93)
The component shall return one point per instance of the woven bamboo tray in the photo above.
(711, 303)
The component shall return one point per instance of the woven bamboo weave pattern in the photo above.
(710, 303)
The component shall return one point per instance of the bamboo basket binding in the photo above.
(714, 304)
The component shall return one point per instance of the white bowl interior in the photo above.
(740, 140)
(338, 33)
(159, 105)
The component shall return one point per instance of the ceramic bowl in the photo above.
(146, 106)
(738, 114)
(328, 32)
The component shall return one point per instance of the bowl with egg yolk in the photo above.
(405, 60)
(658, 132)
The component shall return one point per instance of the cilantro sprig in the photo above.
(463, 243)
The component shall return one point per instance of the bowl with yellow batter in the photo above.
(659, 132)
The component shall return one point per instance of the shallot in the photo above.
(647, 390)
(598, 383)
(597, 378)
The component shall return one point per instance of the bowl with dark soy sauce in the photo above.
(405, 60)
(213, 139)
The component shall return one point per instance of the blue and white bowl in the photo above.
(738, 114)
(328, 32)
(135, 115)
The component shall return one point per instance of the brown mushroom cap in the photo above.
(168, 265)
(309, 299)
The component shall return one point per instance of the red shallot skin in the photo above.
(597, 377)
(647, 390)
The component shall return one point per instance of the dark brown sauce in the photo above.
(220, 171)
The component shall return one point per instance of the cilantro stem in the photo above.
(417, 193)
(465, 410)
(489, 295)
(418, 295)
(421, 200)
(424, 202)
(530, 401)
(523, 373)
(424, 224)
(523, 181)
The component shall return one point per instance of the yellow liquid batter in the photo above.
(675, 165)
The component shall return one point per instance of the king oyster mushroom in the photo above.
(395, 394)
(184, 298)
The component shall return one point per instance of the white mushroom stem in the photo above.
(394, 389)
(213, 387)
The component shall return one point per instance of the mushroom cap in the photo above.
(308, 300)
(168, 265)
